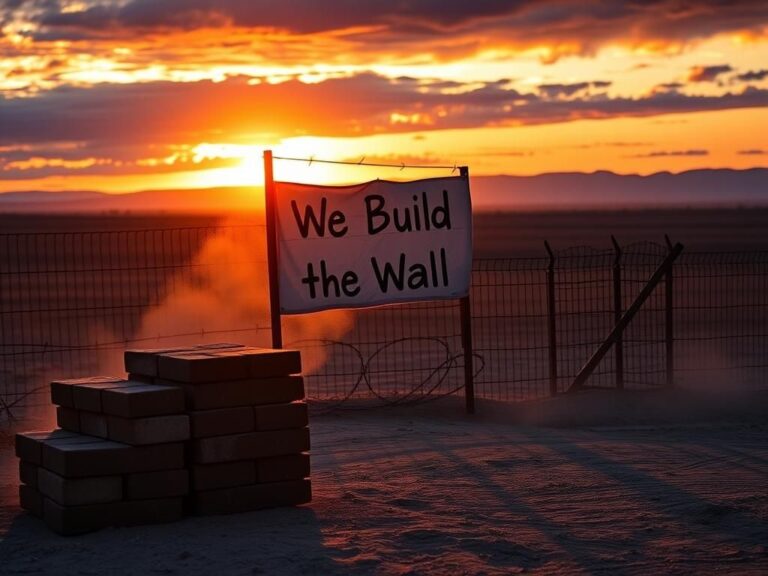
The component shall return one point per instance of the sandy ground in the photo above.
(622, 485)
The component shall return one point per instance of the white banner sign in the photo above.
(374, 243)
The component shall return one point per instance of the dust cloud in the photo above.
(223, 295)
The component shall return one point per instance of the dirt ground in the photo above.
(599, 484)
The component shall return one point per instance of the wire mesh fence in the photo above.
(70, 303)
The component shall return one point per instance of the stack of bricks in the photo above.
(248, 421)
(210, 429)
(118, 458)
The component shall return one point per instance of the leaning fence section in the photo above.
(70, 303)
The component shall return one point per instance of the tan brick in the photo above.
(249, 392)
(95, 457)
(199, 367)
(203, 365)
(79, 491)
(31, 500)
(29, 445)
(68, 419)
(93, 424)
(269, 363)
(254, 497)
(220, 422)
(61, 390)
(152, 430)
(87, 456)
(28, 473)
(156, 457)
(279, 468)
(143, 400)
(162, 484)
(87, 396)
(280, 416)
(144, 362)
(251, 446)
(223, 475)
(218, 346)
(71, 520)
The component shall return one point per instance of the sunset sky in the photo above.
(121, 95)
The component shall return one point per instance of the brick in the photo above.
(206, 364)
(68, 419)
(145, 362)
(277, 390)
(247, 392)
(268, 363)
(219, 346)
(143, 400)
(251, 446)
(153, 430)
(79, 491)
(61, 390)
(199, 367)
(163, 484)
(93, 424)
(31, 500)
(29, 445)
(87, 396)
(280, 416)
(254, 497)
(95, 457)
(223, 475)
(221, 422)
(71, 520)
(279, 468)
(157, 457)
(28, 473)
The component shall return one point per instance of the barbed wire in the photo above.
(402, 166)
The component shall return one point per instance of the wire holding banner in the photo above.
(402, 166)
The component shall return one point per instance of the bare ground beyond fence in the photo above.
(71, 302)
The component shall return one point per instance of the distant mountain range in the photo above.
(609, 191)
(606, 190)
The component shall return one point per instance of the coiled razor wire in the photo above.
(417, 394)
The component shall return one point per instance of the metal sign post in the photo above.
(274, 286)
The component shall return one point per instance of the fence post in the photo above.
(466, 338)
(617, 312)
(274, 285)
(551, 325)
(669, 326)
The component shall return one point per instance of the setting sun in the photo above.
(116, 97)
